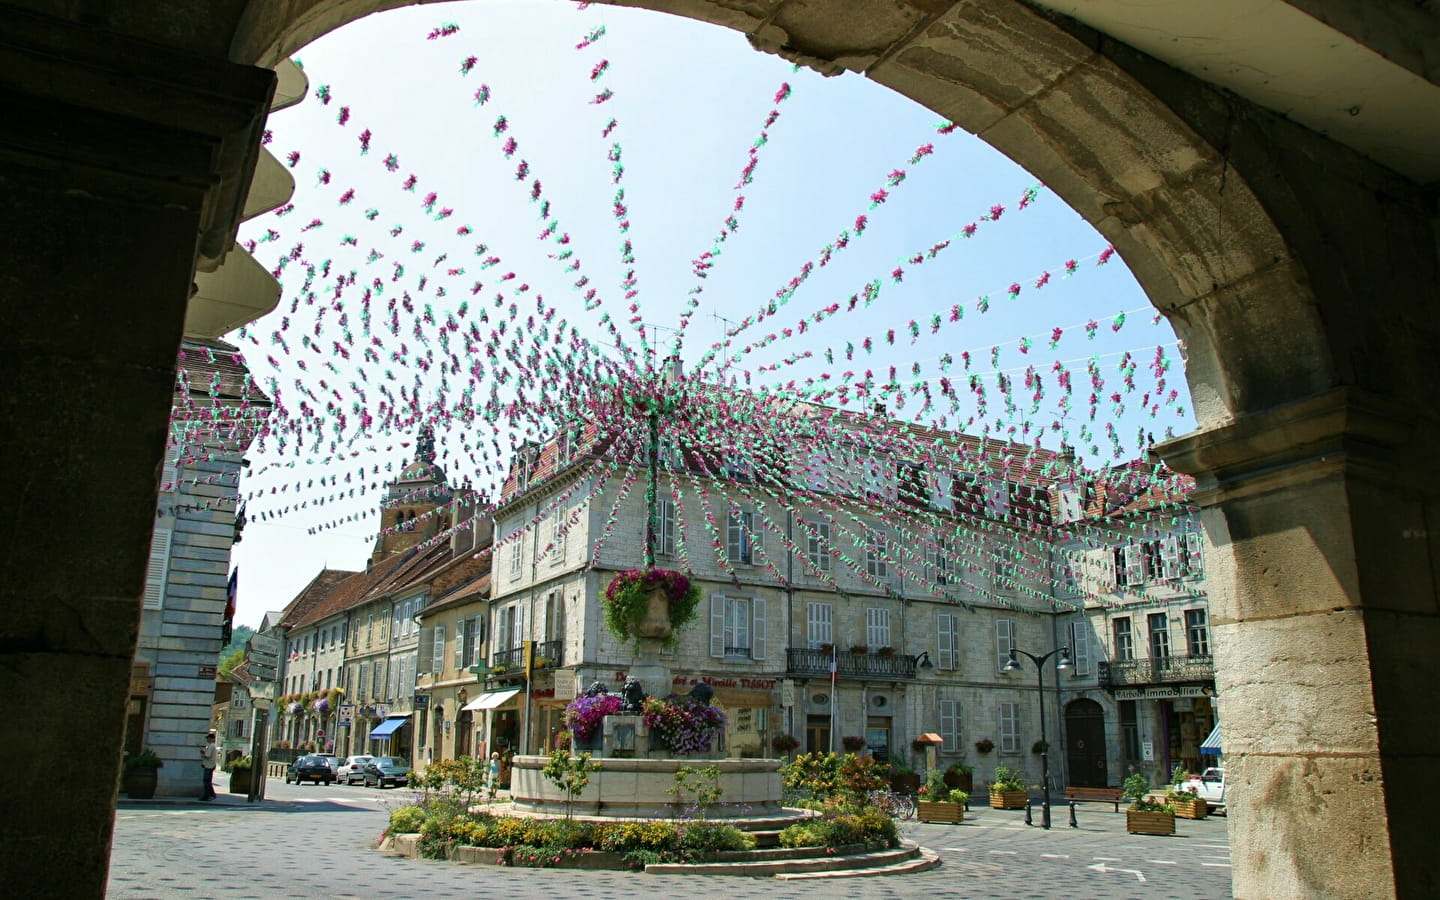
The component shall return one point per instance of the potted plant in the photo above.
(826, 649)
(904, 780)
(984, 745)
(242, 775)
(960, 777)
(859, 649)
(1187, 802)
(1143, 815)
(141, 774)
(886, 652)
(852, 743)
(1008, 791)
(939, 803)
(1039, 747)
(650, 604)
(785, 744)
(683, 725)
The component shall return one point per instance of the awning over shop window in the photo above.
(1212, 743)
(388, 727)
(490, 700)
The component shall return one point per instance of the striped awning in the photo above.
(1212, 743)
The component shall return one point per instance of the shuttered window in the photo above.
(877, 627)
(1004, 641)
(818, 544)
(665, 525)
(459, 661)
(158, 569)
(1080, 646)
(1009, 727)
(947, 641)
(818, 627)
(950, 724)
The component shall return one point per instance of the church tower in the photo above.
(417, 504)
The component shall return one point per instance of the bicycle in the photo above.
(893, 804)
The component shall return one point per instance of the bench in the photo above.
(1097, 795)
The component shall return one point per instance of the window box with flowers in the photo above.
(785, 744)
(885, 652)
(853, 743)
(859, 649)
(984, 745)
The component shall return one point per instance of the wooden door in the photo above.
(1085, 744)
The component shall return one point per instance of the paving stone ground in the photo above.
(315, 841)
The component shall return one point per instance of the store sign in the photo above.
(758, 684)
(564, 684)
(1161, 693)
(787, 693)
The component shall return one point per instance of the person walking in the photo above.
(494, 775)
(207, 765)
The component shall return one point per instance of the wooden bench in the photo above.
(1097, 795)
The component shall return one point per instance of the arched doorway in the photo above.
(1085, 754)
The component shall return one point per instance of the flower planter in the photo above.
(241, 780)
(1009, 799)
(1191, 809)
(944, 813)
(1161, 823)
(957, 781)
(140, 782)
(908, 783)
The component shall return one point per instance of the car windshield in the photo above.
(396, 761)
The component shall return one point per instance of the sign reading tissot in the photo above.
(1162, 693)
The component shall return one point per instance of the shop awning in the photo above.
(490, 700)
(1212, 743)
(388, 727)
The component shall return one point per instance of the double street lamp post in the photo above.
(1014, 666)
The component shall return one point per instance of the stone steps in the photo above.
(923, 861)
(907, 857)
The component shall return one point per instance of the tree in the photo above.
(230, 661)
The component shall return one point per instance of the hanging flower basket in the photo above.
(584, 716)
(295, 708)
(321, 705)
(628, 599)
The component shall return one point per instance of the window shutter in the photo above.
(437, 654)
(460, 645)
(517, 637)
(1194, 553)
(945, 640)
(1080, 646)
(757, 634)
(817, 624)
(159, 568)
(1009, 727)
(1170, 557)
(170, 472)
(732, 528)
(426, 650)
(717, 625)
(756, 536)
(1133, 560)
(950, 724)
(1004, 640)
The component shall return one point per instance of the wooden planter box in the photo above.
(965, 783)
(1191, 809)
(1149, 822)
(945, 813)
(139, 782)
(905, 784)
(1009, 799)
(240, 780)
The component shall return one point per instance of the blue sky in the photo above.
(690, 100)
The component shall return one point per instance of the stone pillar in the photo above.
(117, 159)
(1322, 594)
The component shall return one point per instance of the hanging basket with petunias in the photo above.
(628, 597)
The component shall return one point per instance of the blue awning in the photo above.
(1212, 743)
(388, 727)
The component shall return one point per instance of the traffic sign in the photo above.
(261, 672)
(264, 645)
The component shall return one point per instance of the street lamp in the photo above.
(1014, 666)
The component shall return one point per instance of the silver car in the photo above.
(350, 769)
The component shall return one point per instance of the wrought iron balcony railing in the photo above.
(508, 662)
(802, 661)
(548, 655)
(1160, 670)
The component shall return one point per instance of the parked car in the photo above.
(349, 770)
(310, 768)
(1208, 786)
(383, 770)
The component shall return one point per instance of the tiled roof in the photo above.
(465, 593)
(349, 592)
(311, 595)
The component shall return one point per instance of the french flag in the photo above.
(834, 671)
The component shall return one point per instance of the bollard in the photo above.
(1073, 823)
(1028, 821)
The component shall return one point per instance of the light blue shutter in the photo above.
(945, 643)
(717, 625)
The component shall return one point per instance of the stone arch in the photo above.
(1077, 111)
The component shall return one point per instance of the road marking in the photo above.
(1217, 865)
(1222, 856)
(1162, 862)
(1101, 867)
(1106, 858)
(1002, 852)
(1054, 856)
(956, 849)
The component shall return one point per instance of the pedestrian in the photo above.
(494, 774)
(207, 766)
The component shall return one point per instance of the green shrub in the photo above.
(533, 857)
(1007, 779)
(710, 837)
(803, 835)
(407, 820)
(640, 858)
(623, 837)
